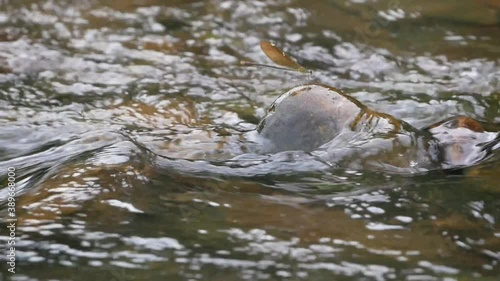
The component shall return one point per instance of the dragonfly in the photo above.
(279, 57)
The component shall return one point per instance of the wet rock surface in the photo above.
(307, 117)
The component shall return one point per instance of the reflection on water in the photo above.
(130, 126)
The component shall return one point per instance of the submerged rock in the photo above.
(463, 141)
(343, 132)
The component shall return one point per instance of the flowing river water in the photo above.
(129, 127)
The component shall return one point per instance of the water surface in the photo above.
(129, 126)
